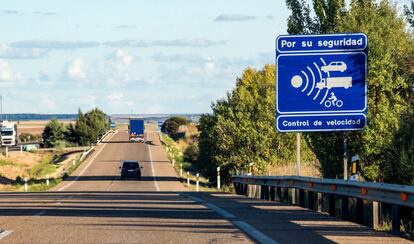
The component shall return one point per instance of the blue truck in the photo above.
(136, 130)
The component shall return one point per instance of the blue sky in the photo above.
(122, 56)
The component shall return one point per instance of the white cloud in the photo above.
(115, 96)
(45, 44)
(234, 17)
(121, 59)
(6, 73)
(8, 52)
(76, 69)
(165, 43)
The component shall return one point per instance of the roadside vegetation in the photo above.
(241, 130)
(86, 129)
(39, 165)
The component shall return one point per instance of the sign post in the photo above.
(321, 84)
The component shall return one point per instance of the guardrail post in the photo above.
(331, 207)
(345, 208)
(395, 215)
(375, 215)
(319, 202)
(279, 194)
(188, 179)
(286, 195)
(245, 189)
(272, 193)
(301, 200)
(360, 210)
(311, 200)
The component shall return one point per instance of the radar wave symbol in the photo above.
(308, 78)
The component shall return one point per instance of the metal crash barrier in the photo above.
(312, 190)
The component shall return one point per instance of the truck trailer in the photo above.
(136, 130)
(8, 133)
(335, 82)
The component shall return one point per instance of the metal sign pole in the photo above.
(345, 158)
(298, 154)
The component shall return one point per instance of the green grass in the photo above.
(5, 162)
(177, 155)
(45, 167)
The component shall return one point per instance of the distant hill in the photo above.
(115, 117)
(24, 117)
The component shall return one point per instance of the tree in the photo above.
(409, 13)
(299, 22)
(241, 129)
(389, 80)
(390, 71)
(53, 133)
(88, 127)
(172, 125)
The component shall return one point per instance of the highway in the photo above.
(94, 206)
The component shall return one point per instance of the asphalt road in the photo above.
(95, 206)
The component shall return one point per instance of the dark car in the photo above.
(130, 169)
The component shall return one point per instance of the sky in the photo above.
(131, 56)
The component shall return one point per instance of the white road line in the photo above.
(39, 213)
(254, 233)
(250, 230)
(5, 233)
(157, 187)
(220, 211)
(87, 166)
(213, 207)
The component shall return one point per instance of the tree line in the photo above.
(86, 130)
(241, 128)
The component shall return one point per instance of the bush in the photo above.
(171, 126)
(191, 153)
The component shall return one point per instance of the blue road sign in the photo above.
(321, 82)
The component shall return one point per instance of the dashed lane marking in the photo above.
(157, 187)
(87, 166)
(4, 233)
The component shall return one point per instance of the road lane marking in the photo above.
(5, 233)
(247, 228)
(254, 233)
(86, 167)
(213, 207)
(157, 187)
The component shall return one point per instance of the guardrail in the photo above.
(98, 142)
(277, 188)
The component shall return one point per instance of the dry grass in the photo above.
(310, 169)
(24, 163)
(35, 127)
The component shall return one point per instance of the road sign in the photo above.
(321, 82)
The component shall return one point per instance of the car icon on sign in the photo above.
(334, 66)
